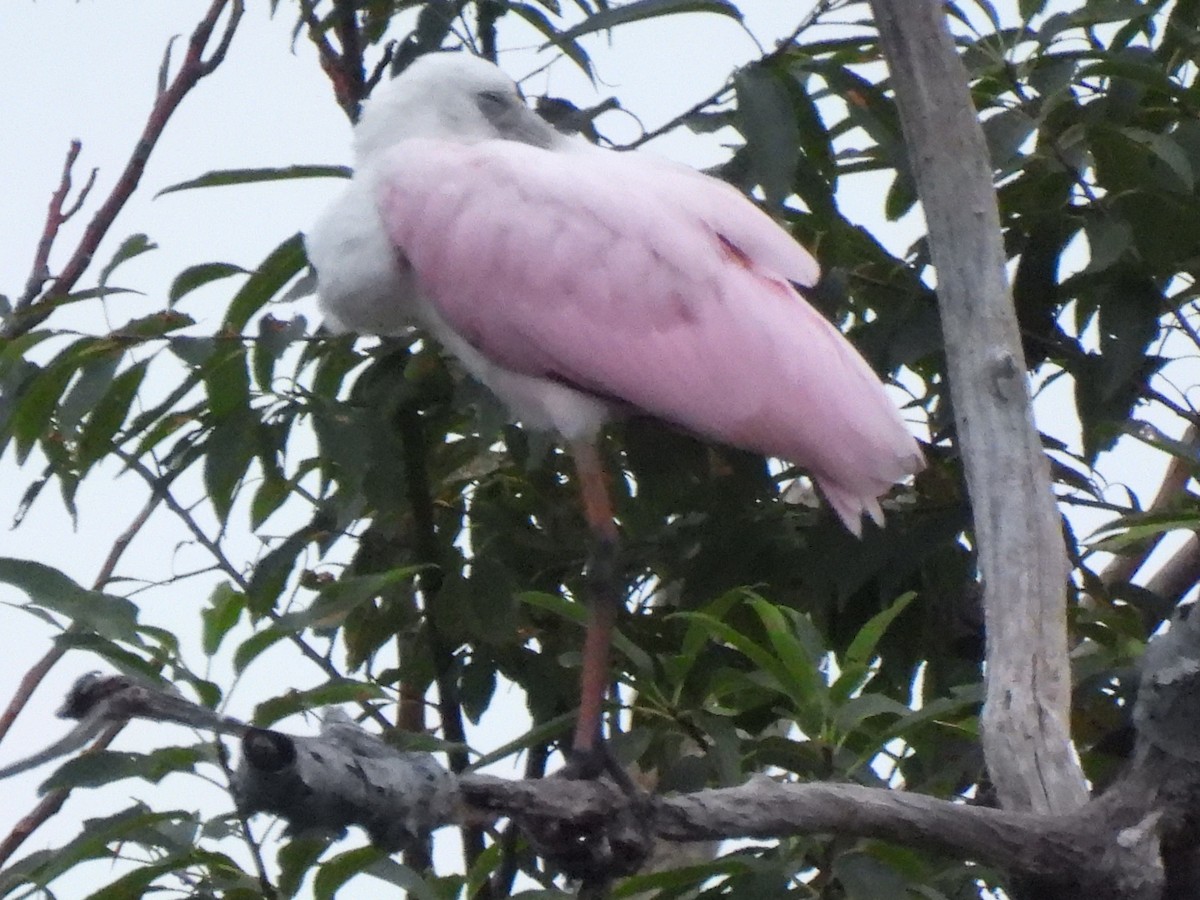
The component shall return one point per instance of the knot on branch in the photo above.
(595, 845)
(344, 776)
(1167, 713)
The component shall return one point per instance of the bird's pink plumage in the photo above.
(657, 286)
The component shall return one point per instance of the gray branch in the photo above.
(1025, 723)
(1137, 841)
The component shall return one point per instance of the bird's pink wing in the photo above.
(662, 288)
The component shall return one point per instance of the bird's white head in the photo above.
(448, 95)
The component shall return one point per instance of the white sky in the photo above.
(88, 70)
(264, 107)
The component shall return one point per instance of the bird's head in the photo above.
(448, 95)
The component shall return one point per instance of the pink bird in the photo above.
(580, 283)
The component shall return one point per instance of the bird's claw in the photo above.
(590, 763)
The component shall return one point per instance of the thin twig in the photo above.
(56, 215)
(195, 66)
(233, 573)
(260, 866)
(37, 673)
(718, 96)
(49, 805)
(346, 22)
(377, 73)
(1179, 473)
(344, 74)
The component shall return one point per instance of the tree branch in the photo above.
(49, 804)
(1134, 842)
(195, 66)
(1179, 472)
(1026, 731)
(56, 216)
(345, 69)
(38, 671)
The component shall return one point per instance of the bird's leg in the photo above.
(589, 754)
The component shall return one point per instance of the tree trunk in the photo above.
(1022, 559)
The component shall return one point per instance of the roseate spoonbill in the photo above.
(578, 282)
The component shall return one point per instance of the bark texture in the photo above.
(1137, 841)
(1022, 559)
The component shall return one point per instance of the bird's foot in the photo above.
(588, 764)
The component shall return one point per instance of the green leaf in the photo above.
(332, 693)
(577, 612)
(549, 730)
(228, 454)
(225, 606)
(1166, 151)
(196, 276)
(339, 598)
(337, 871)
(785, 633)
(1131, 531)
(1006, 132)
(33, 409)
(272, 572)
(272, 275)
(639, 10)
(227, 382)
(767, 119)
(570, 47)
(1030, 8)
(477, 687)
(136, 883)
(225, 177)
(116, 655)
(95, 378)
(275, 336)
(96, 439)
(134, 824)
(865, 877)
(154, 325)
(251, 648)
(296, 858)
(855, 711)
(862, 649)
(271, 494)
(1109, 238)
(111, 617)
(106, 766)
(794, 676)
(134, 245)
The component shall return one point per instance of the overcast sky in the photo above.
(87, 70)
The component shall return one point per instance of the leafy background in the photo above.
(358, 514)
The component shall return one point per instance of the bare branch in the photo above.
(1127, 844)
(782, 46)
(56, 215)
(226, 565)
(29, 683)
(1177, 575)
(195, 66)
(1026, 716)
(37, 673)
(344, 69)
(1180, 470)
(49, 805)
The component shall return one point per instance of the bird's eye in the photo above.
(495, 100)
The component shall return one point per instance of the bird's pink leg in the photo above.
(605, 601)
